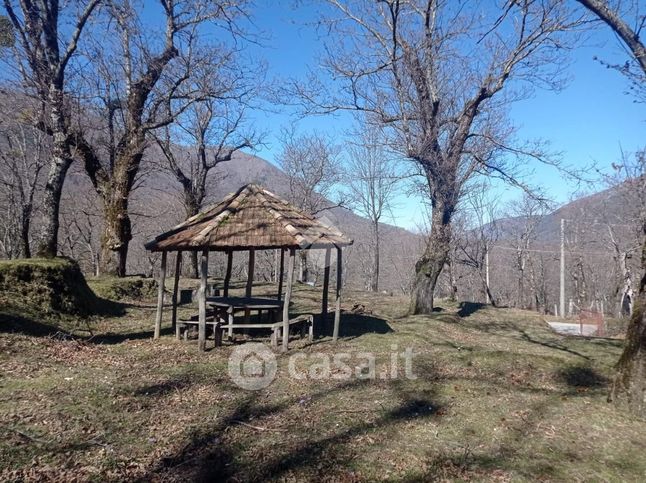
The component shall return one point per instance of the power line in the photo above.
(534, 250)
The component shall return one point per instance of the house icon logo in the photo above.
(252, 366)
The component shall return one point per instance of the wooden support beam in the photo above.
(160, 295)
(326, 286)
(252, 264)
(201, 300)
(227, 276)
(288, 296)
(178, 269)
(339, 282)
(281, 273)
(230, 319)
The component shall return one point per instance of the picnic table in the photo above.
(224, 309)
(230, 305)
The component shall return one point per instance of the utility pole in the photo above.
(562, 293)
(487, 274)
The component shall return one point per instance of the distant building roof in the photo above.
(252, 217)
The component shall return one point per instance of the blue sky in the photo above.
(589, 121)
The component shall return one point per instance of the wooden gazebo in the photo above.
(250, 219)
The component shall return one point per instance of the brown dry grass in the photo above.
(497, 397)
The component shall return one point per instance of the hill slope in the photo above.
(156, 207)
(496, 396)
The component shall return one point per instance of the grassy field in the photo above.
(497, 397)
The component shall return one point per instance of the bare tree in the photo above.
(24, 152)
(619, 15)
(372, 179)
(205, 137)
(629, 387)
(525, 216)
(624, 292)
(436, 74)
(476, 240)
(81, 223)
(41, 58)
(141, 85)
(312, 165)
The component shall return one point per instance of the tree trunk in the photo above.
(304, 271)
(117, 231)
(629, 388)
(453, 289)
(192, 266)
(429, 267)
(374, 279)
(521, 288)
(625, 299)
(25, 219)
(192, 206)
(61, 161)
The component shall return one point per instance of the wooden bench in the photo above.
(306, 323)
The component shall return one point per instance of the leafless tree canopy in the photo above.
(208, 133)
(140, 84)
(39, 66)
(313, 167)
(24, 153)
(372, 181)
(626, 19)
(438, 74)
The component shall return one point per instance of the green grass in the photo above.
(498, 396)
(127, 288)
(53, 263)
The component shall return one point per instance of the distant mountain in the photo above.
(587, 219)
(156, 207)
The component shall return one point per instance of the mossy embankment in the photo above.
(39, 296)
(127, 288)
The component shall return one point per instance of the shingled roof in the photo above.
(252, 217)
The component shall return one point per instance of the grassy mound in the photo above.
(129, 288)
(40, 295)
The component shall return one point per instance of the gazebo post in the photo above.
(227, 276)
(178, 268)
(281, 273)
(288, 296)
(160, 295)
(252, 263)
(326, 286)
(339, 281)
(204, 269)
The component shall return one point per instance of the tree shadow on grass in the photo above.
(111, 338)
(106, 307)
(208, 456)
(465, 461)
(515, 331)
(10, 323)
(351, 325)
(175, 383)
(27, 321)
(582, 377)
(469, 308)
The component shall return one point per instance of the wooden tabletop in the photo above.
(245, 302)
